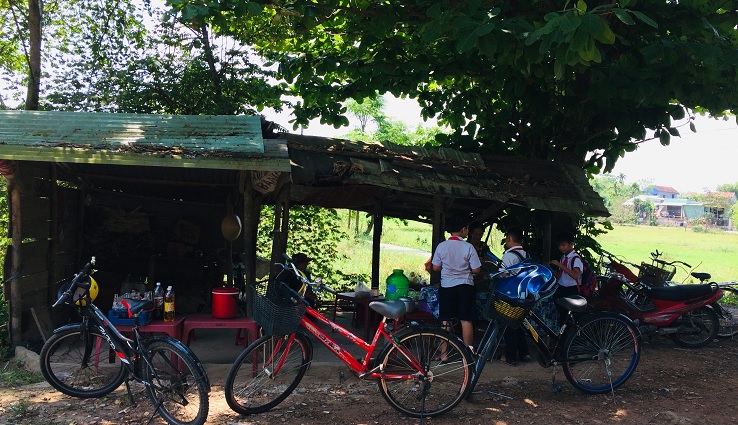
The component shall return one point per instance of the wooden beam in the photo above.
(102, 157)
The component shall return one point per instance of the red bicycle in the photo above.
(421, 372)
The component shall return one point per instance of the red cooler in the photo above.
(225, 301)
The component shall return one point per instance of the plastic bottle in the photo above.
(169, 305)
(397, 284)
(159, 301)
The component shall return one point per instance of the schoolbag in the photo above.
(589, 278)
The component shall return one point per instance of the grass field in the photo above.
(711, 252)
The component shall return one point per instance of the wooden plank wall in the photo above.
(50, 228)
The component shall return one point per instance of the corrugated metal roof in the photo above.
(188, 141)
(406, 180)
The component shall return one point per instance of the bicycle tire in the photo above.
(252, 387)
(601, 353)
(704, 321)
(178, 388)
(66, 367)
(444, 383)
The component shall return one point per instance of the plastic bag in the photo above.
(361, 290)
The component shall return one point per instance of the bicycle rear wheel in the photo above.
(439, 381)
(267, 372)
(178, 388)
(727, 314)
(81, 363)
(601, 353)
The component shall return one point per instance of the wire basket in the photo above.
(656, 276)
(276, 309)
(505, 313)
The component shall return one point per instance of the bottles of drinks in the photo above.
(159, 301)
(119, 310)
(169, 305)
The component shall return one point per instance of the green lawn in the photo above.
(713, 252)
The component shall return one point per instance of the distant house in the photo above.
(665, 192)
(674, 209)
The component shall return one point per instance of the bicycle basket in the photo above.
(505, 313)
(656, 276)
(276, 309)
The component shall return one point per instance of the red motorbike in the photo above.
(681, 312)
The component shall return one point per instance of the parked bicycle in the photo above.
(420, 372)
(598, 351)
(92, 358)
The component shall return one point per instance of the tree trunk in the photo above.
(34, 54)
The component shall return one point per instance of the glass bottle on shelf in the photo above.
(159, 301)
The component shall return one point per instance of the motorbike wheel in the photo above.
(697, 328)
(728, 317)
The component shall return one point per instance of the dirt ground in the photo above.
(671, 386)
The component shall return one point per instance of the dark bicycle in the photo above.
(92, 358)
(598, 351)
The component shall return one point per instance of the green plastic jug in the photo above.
(397, 285)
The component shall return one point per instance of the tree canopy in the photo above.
(549, 79)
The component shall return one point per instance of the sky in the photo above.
(694, 162)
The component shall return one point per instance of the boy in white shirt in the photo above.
(457, 260)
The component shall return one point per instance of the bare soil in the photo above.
(671, 386)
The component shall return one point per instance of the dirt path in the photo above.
(671, 386)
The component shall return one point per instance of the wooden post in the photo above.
(376, 241)
(546, 240)
(281, 222)
(439, 223)
(252, 201)
(14, 193)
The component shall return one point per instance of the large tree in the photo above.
(550, 79)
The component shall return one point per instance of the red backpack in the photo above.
(588, 277)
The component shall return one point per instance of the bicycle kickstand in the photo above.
(556, 387)
(130, 393)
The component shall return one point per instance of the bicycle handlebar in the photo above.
(75, 283)
(316, 284)
(671, 263)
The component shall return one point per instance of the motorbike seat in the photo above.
(680, 292)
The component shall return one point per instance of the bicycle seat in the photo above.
(391, 309)
(702, 276)
(575, 303)
(136, 306)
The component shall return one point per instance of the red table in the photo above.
(173, 329)
(207, 321)
(361, 302)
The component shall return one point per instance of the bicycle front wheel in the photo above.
(601, 353)
(80, 363)
(267, 372)
(728, 319)
(178, 388)
(426, 374)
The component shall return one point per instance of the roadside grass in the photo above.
(13, 375)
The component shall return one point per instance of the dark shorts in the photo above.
(457, 302)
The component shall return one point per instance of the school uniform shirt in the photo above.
(571, 261)
(457, 258)
(510, 258)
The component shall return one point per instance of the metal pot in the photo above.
(409, 304)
